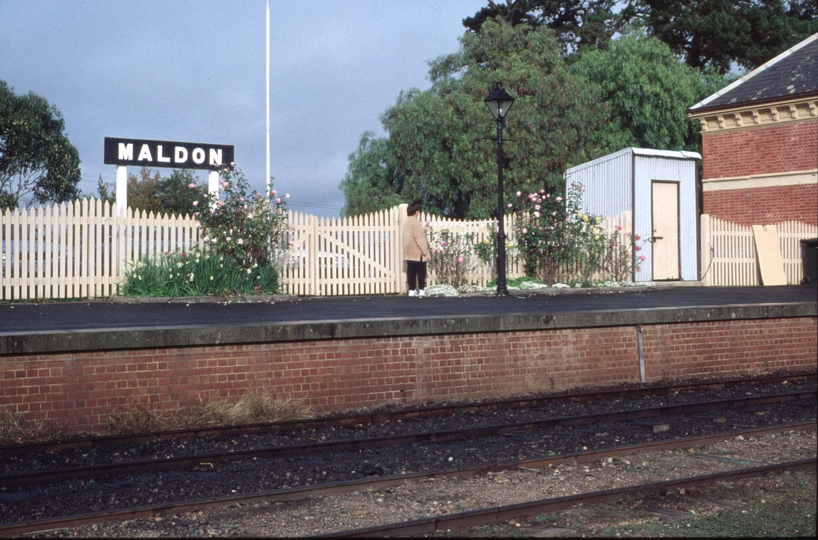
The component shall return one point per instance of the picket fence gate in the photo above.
(82, 249)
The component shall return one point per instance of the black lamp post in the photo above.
(499, 102)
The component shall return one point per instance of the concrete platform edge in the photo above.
(32, 343)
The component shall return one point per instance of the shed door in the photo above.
(665, 204)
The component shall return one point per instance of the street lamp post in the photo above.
(499, 102)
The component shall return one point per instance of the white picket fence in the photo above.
(81, 249)
(729, 253)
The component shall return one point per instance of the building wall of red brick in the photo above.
(791, 146)
(764, 206)
(82, 389)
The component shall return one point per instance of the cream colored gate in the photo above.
(343, 256)
(665, 208)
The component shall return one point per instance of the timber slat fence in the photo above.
(82, 249)
(729, 255)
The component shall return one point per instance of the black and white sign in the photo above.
(178, 155)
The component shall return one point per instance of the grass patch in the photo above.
(252, 408)
(782, 505)
(777, 506)
(16, 429)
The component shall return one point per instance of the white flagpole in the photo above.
(267, 178)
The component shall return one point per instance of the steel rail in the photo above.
(499, 514)
(586, 456)
(378, 417)
(349, 445)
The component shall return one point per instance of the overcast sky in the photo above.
(194, 71)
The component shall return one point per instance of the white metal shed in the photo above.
(658, 188)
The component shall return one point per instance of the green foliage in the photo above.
(451, 256)
(37, 162)
(374, 180)
(7, 201)
(552, 231)
(244, 234)
(617, 257)
(648, 91)
(151, 192)
(105, 192)
(177, 194)
(705, 33)
(143, 192)
(442, 138)
(515, 283)
(576, 23)
(247, 229)
(718, 32)
(197, 273)
(486, 251)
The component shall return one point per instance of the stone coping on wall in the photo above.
(69, 341)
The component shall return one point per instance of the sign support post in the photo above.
(121, 190)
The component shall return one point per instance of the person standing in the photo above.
(415, 251)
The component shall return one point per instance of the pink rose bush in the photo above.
(246, 226)
(556, 238)
(451, 259)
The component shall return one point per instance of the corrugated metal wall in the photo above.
(607, 182)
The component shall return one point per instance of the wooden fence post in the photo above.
(706, 243)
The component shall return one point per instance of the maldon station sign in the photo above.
(178, 155)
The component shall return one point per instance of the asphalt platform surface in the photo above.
(44, 317)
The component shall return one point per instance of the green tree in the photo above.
(105, 191)
(151, 192)
(374, 179)
(38, 164)
(649, 91)
(143, 191)
(177, 194)
(576, 23)
(717, 33)
(443, 139)
(705, 33)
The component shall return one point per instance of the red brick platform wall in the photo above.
(82, 389)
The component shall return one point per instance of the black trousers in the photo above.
(416, 275)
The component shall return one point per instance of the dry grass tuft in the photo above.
(252, 408)
(15, 429)
(143, 420)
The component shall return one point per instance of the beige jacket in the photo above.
(415, 247)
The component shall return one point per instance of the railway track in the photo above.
(499, 514)
(526, 438)
(439, 437)
(463, 519)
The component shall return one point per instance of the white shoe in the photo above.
(413, 292)
(421, 293)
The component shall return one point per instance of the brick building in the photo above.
(760, 142)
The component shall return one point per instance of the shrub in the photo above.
(246, 228)
(486, 251)
(620, 257)
(552, 232)
(451, 256)
(244, 236)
